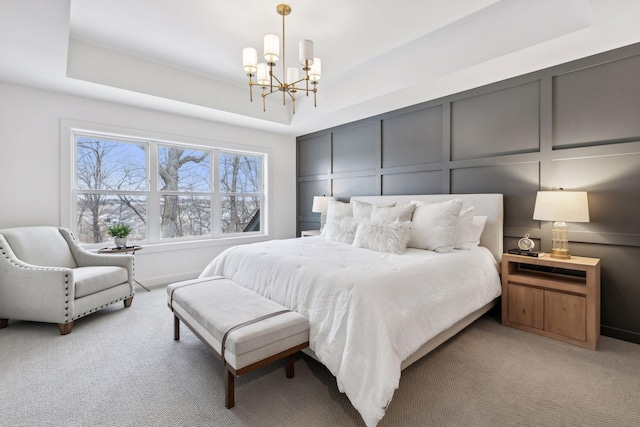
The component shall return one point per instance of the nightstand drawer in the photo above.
(565, 315)
(526, 306)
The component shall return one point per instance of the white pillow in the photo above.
(391, 237)
(392, 213)
(337, 210)
(362, 210)
(464, 228)
(341, 230)
(434, 225)
(472, 238)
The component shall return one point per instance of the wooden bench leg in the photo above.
(176, 328)
(229, 389)
(289, 366)
(127, 302)
(65, 328)
(4, 323)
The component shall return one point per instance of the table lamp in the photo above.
(561, 207)
(321, 205)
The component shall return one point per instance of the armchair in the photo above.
(46, 276)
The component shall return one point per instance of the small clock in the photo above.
(526, 244)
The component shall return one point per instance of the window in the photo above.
(164, 191)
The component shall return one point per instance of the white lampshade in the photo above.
(321, 204)
(305, 51)
(293, 75)
(566, 206)
(271, 47)
(249, 59)
(263, 74)
(561, 206)
(316, 70)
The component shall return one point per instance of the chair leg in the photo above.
(230, 389)
(128, 301)
(4, 323)
(65, 328)
(289, 366)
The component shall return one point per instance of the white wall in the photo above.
(31, 175)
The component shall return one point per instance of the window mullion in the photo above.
(216, 202)
(153, 201)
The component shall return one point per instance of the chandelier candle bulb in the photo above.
(306, 52)
(249, 59)
(271, 48)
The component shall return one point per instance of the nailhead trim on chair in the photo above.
(101, 307)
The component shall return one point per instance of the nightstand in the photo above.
(308, 233)
(555, 298)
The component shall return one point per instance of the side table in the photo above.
(555, 298)
(125, 250)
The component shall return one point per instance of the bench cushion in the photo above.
(213, 305)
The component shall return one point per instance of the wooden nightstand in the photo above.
(555, 298)
(308, 233)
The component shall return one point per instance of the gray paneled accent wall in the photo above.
(574, 126)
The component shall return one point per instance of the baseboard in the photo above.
(620, 334)
(163, 281)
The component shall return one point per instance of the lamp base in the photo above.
(560, 253)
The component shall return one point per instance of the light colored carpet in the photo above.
(121, 367)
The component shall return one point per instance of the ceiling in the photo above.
(184, 57)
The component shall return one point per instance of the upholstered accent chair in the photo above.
(46, 276)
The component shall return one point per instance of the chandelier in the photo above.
(290, 82)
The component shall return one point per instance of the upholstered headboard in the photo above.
(489, 205)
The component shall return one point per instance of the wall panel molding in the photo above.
(575, 126)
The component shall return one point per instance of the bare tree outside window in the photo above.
(110, 176)
(184, 175)
(113, 184)
(240, 188)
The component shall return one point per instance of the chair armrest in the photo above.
(23, 295)
(84, 258)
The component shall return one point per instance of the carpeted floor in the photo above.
(122, 368)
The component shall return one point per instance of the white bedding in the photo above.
(368, 310)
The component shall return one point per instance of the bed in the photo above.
(374, 313)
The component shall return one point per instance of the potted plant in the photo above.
(119, 232)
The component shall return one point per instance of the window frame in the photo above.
(71, 130)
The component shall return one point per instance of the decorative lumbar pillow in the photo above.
(392, 213)
(341, 230)
(362, 210)
(434, 225)
(390, 237)
(337, 210)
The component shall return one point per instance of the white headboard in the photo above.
(484, 204)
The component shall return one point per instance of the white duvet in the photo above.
(368, 310)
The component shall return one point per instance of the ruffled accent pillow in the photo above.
(468, 235)
(392, 213)
(464, 228)
(340, 230)
(434, 225)
(390, 237)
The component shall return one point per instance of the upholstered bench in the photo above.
(243, 329)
